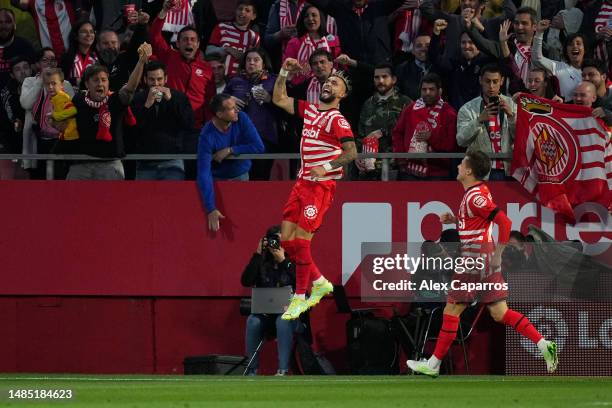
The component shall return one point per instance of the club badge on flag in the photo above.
(562, 154)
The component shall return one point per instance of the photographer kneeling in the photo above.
(270, 267)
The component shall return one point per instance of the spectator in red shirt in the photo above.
(188, 72)
(428, 125)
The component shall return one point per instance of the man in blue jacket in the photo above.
(229, 132)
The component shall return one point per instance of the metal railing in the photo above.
(385, 157)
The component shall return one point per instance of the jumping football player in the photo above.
(327, 144)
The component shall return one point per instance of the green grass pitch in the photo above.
(302, 392)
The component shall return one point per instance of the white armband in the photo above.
(283, 73)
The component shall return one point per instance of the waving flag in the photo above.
(562, 154)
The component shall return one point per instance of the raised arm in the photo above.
(436, 54)
(160, 46)
(492, 48)
(126, 93)
(279, 96)
(537, 58)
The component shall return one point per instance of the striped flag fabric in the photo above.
(562, 155)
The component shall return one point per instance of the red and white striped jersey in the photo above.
(53, 20)
(176, 19)
(604, 17)
(228, 35)
(475, 221)
(322, 138)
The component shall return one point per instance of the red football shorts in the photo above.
(308, 202)
(491, 293)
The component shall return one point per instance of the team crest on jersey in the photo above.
(480, 201)
(310, 212)
(199, 72)
(343, 123)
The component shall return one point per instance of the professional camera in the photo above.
(272, 241)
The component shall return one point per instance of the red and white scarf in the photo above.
(331, 26)
(284, 12)
(410, 28)
(41, 113)
(494, 129)
(603, 20)
(104, 118)
(523, 64)
(176, 19)
(419, 167)
(307, 47)
(313, 91)
(81, 62)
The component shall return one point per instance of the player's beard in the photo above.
(327, 99)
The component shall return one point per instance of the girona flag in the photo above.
(562, 155)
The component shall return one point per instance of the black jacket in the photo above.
(462, 77)
(366, 38)
(263, 272)
(10, 111)
(431, 11)
(409, 76)
(120, 69)
(164, 127)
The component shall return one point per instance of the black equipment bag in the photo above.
(372, 346)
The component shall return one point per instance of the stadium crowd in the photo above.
(427, 76)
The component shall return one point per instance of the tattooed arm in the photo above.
(349, 153)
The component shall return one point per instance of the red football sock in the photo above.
(315, 273)
(289, 247)
(448, 332)
(522, 325)
(303, 265)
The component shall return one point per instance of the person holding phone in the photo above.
(487, 123)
